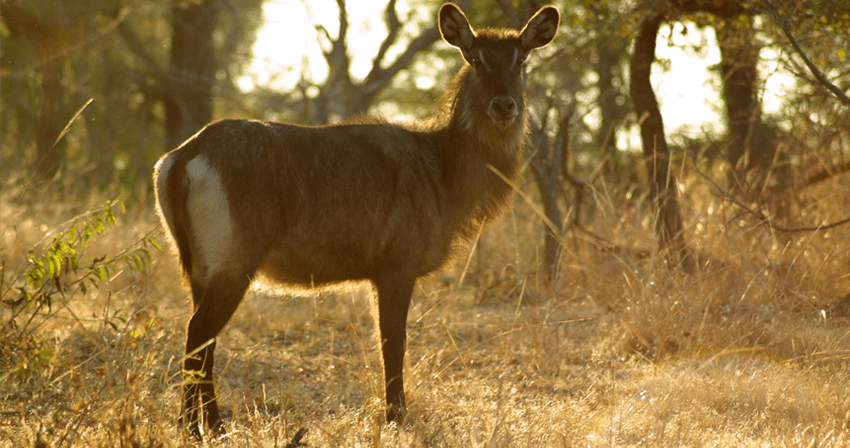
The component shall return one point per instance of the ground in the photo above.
(749, 347)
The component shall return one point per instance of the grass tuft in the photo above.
(750, 348)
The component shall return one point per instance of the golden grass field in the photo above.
(749, 349)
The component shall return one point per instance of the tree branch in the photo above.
(819, 176)
(337, 58)
(343, 22)
(379, 77)
(812, 68)
(393, 25)
(764, 218)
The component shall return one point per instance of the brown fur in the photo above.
(363, 200)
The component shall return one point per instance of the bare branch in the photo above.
(393, 25)
(379, 77)
(420, 43)
(321, 31)
(812, 68)
(343, 22)
(337, 58)
(764, 219)
(820, 176)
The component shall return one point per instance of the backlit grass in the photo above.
(750, 348)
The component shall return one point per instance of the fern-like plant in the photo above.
(59, 274)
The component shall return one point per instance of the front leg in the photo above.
(393, 302)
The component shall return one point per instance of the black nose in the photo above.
(503, 107)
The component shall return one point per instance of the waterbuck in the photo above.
(366, 199)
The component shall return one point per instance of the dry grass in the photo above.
(749, 349)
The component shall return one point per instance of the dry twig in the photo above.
(821, 79)
(766, 219)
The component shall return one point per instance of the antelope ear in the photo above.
(455, 27)
(540, 29)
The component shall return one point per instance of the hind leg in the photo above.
(215, 303)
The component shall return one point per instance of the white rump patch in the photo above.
(162, 171)
(209, 217)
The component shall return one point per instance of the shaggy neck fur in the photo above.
(471, 146)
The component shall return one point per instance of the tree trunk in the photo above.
(663, 189)
(752, 144)
(609, 51)
(546, 161)
(191, 76)
(48, 39)
(50, 152)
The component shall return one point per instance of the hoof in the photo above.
(197, 434)
(396, 414)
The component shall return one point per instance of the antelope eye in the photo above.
(520, 59)
(475, 61)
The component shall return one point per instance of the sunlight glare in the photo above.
(687, 93)
(425, 82)
(290, 48)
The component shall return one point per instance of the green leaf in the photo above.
(154, 243)
(145, 255)
(52, 266)
(71, 235)
(138, 262)
(35, 275)
(98, 226)
(88, 234)
(110, 217)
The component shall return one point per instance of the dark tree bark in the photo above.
(547, 160)
(752, 143)
(49, 40)
(50, 152)
(663, 189)
(609, 51)
(191, 74)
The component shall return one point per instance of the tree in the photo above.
(662, 183)
(49, 36)
(340, 95)
(186, 84)
(610, 47)
(752, 142)
(191, 70)
(115, 58)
